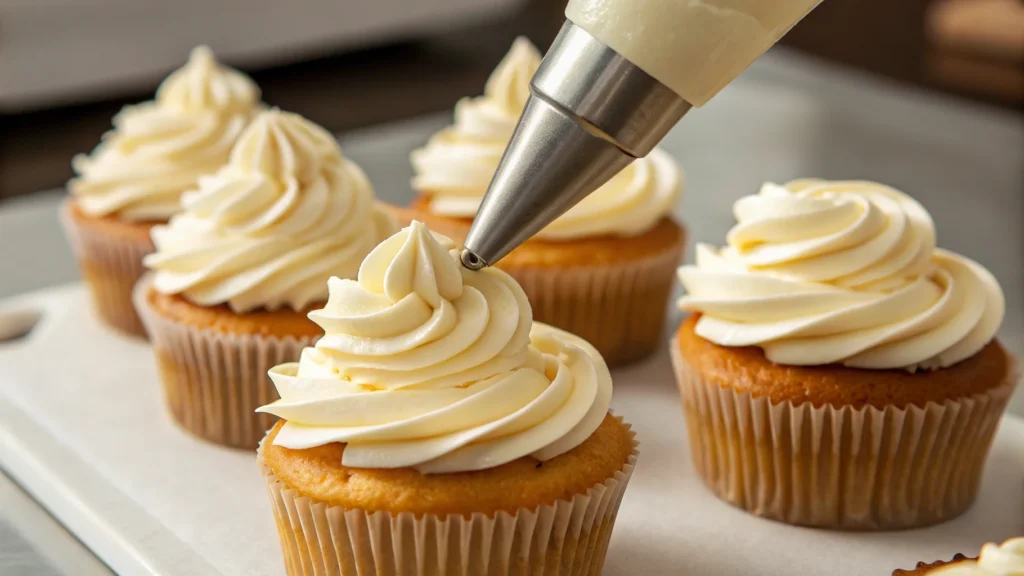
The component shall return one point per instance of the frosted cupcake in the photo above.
(236, 272)
(1006, 559)
(435, 429)
(135, 177)
(603, 270)
(838, 369)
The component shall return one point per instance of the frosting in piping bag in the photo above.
(286, 213)
(457, 164)
(158, 149)
(820, 272)
(426, 364)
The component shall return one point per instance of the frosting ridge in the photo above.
(269, 228)
(456, 166)
(819, 272)
(426, 364)
(158, 149)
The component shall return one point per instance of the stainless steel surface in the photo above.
(596, 85)
(590, 113)
(552, 163)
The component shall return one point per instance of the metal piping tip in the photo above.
(552, 163)
(591, 113)
(471, 260)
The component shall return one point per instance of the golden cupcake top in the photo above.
(457, 164)
(1006, 559)
(822, 272)
(158, 149)
(268, 229)
(425, 364)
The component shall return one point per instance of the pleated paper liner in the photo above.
(110, 267)
(863, 469)
(213, 382)
(619, 308)
(567, 538)
(923, 568)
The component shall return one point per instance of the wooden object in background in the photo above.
(880, 36)
(977, 46)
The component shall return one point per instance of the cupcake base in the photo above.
(611, 291)
(213, 364)
(568, 537)
(923, 569)
(850, 466)
(109, 253)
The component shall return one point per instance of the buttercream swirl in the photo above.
(428, 365)
(1006, 559)
(158, 149)
(820, 272)
(267, 230)
(457, 164)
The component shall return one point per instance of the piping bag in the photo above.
(619, 75)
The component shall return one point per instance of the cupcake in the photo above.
(838, 369)
(603, 270)
(135, 177)
(1006, 559)
(435, 429)
(236, 272)
(923, 569)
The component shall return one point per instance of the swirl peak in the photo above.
(509, 83)
(284, 145)
(413, 261)
(203, 84)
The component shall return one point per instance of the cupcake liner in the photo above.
(852, 468)
(567, 538)
(923, 568)
(619, 308)
(110, 268)
(213, 382)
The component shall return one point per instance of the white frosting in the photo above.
(820, 272)
(457, 165)
(426, 364)
(270, 227)
(695, 47)
(1006, 559)
(159, 149)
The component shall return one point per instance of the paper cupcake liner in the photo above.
(619, 308)
(110, 268)
(213, 382)
(567, 538)
(923, 568)
(851, 468)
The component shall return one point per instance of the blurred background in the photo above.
(67, 66)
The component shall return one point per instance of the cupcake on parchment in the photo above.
(838, 369)
(435, 429)
(236, 272)
(135, 177)
(1006, 559)
(604, 269)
